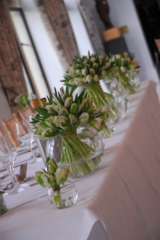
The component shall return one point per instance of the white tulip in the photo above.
(50, 106)
(96, 78)
(71, 82)
(78, 72)
(125, 54)
(93, 59)
(107, 65)
(92, 71)
(89, 78)
(123, 69)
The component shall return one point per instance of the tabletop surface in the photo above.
(32, 216)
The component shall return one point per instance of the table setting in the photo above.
(100, 171)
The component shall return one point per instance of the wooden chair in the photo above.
(25, 113)
(10, 127)
(2, 133)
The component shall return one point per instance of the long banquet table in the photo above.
(121, 200)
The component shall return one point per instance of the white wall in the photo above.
(123, 12)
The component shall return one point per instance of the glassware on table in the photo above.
(134, 78)
(120, 95)
(67, 192)
(8, 155)
(26, 137)
(81, 152)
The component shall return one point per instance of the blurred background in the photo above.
(50, 33)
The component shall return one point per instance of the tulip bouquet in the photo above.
(22, 100)
(53, 178)
(87, 71)
(62, 116)
(122, 67)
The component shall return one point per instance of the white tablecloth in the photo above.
(121, 200)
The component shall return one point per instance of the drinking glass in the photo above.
(25, 136)
(8, 155)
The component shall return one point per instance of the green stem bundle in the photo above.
(77, 155)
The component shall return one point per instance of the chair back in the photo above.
(10, 127)
(25, 113)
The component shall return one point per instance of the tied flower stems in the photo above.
(100, 99)
(77, 156)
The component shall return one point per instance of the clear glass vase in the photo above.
(81, 151)
(134, 78)
(118, 91)
(65, 196)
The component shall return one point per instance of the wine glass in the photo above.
(26, 136)
(8, 155)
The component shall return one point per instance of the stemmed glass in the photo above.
(26, 136)
(8, 155)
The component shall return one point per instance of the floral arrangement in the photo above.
(62, 116)
(122, 66)
(22, 100)
(87, 71)
(52, 178)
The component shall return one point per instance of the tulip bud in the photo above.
(96, 123)
(96, 78)
(73, 119)
(107, 65)
(78, 66)
(52, 166)
(94, 111)
(87, 65)
(78, 72)
(128, 60)
(50, 106)
(125, 54)
(61, 110)
(72, 74)
(61, 175)
(106, 59)
(86, 103)
(123, 69)
(48, 132)
(56, 100)
(93, 59)
(78, 81)
(49, 180)
(95, 65)
(50, 120)
(118, 56)
(72, 69)
(84, 71)
(38, 132)
(84, 117)
(73, 109)
(42, 125)
(71, 82)
(113, 59)
(60, 120)
(39, 179)
(92, 71)
(68, 102)
(89, 78)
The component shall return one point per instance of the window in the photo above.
(33, 72)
